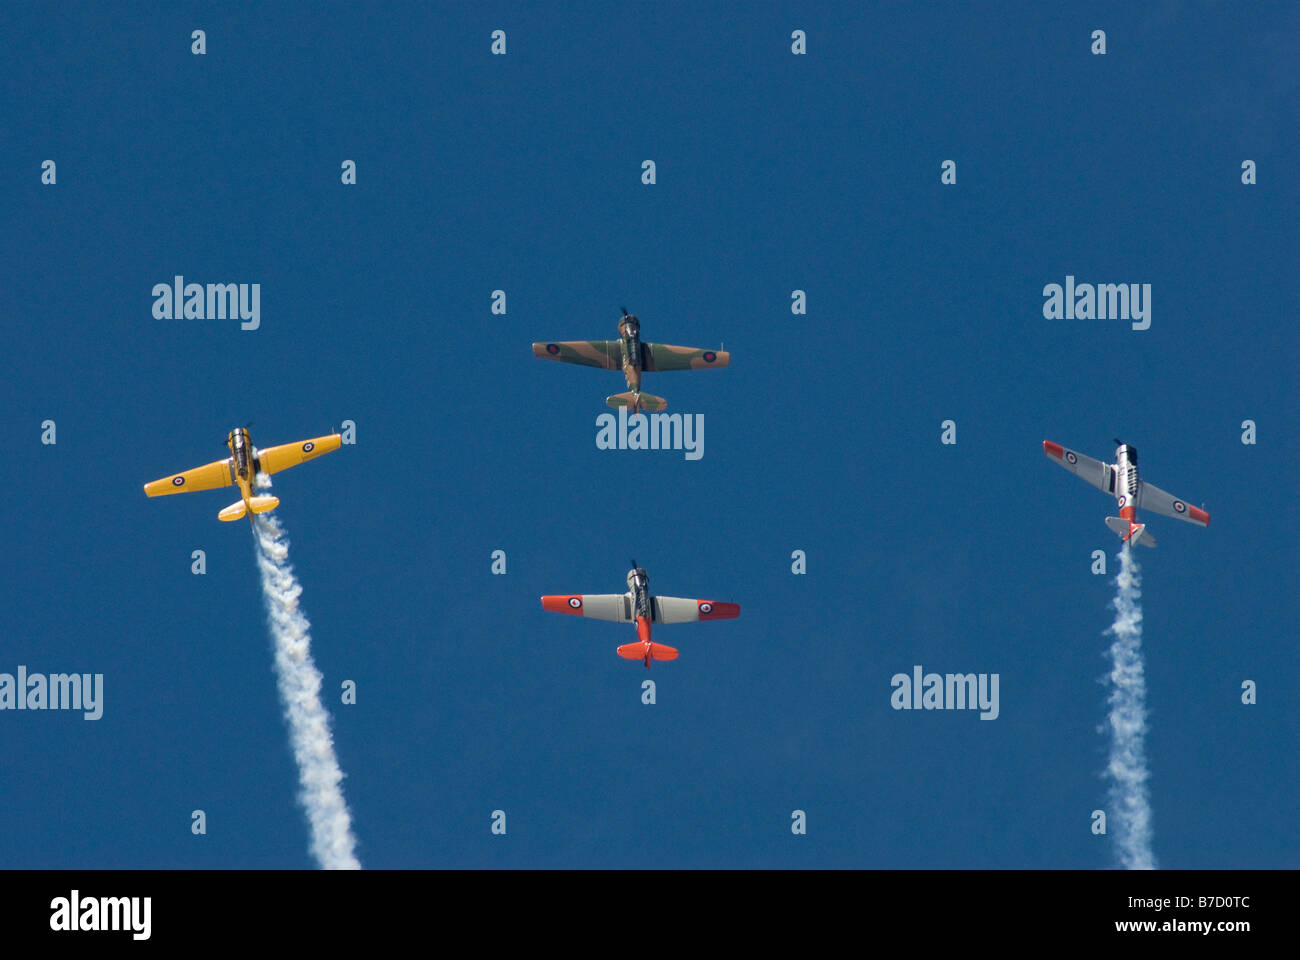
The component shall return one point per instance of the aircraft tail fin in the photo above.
(637, 651)
(1137, 533)
(235, 511)
(649, 402)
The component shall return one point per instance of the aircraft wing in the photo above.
(275, 459)
(596, 606)
(1157, 501)
(1100, 475)
(210, 476)
(606, 354)
(661, 356)
(679, 610)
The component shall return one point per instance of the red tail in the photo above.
(646, 652)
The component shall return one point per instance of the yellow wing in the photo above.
(208, 477)
(275, 459)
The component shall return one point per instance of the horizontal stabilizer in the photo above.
(637, 651)
(238, 510)
(649, 402)
(1137, 533)
(235, 511)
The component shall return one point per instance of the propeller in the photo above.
(1118, 441)
(247, 426)
(625, 313)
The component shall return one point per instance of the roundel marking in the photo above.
(1071, 457)
(178, 481)
(1180, 507)
(552, 349)
(706, 607)
(1122, 500)
(575, 602)
(709, 356)
(308, 447)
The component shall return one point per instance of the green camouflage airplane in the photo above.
(633, 357)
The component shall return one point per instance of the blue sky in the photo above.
(774, 173)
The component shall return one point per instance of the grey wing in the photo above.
(1100, 475)
(674, 610)
(1157, 501)
(682, 610)
(607, 606)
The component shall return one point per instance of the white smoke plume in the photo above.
(1127, 721)
(332, 842)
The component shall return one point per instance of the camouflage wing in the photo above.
(210, 476)
(606, 354)
(661, 356)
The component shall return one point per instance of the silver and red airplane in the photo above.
(645, 609)
(1131, 492)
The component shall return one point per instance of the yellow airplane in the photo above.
(241, 468)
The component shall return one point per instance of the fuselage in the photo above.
(244, 457)
(629, 335)
(1126, 483)
(638, 583)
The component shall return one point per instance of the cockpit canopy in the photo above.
(240, 449)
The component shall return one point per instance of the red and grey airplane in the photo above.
(1121, 480)
(640, 606)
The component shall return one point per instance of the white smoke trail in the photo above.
(299, 681)
(1127, 720)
